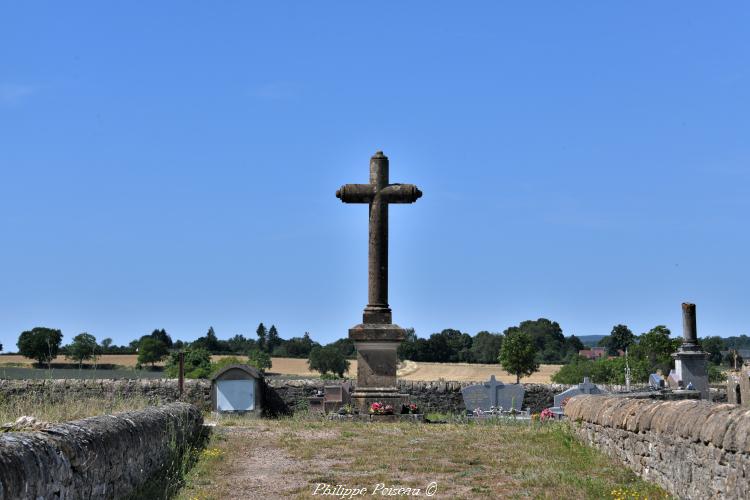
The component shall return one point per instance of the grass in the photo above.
(290, 457)
(58, 408)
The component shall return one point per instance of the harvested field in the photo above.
(462, 372)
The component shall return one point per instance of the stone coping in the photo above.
(724, 425)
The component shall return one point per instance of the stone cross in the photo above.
(492, 385)
(378, 193)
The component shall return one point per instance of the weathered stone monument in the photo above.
(377, 338)
(690, 360)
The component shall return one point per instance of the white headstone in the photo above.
(235, 395)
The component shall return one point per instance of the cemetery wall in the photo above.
(437, 396)
(113, 456)
(691, 448)
(158, 391)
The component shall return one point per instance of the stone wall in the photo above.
(157, 391)
(439, 396)
(691, 448)
(111, 456)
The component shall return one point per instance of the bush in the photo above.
(197, 364)
(259, 359)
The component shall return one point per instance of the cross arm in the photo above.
(401, 193)
(356, 193)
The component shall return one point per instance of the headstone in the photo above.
(586, 387)
(655, 381)
(337, 396)
(237, 389)
(377, 338)
(673, 380)
(493, 393)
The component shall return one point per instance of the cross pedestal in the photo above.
(377, 338)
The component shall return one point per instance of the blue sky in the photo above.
(173, 165)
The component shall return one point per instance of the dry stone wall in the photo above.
(157, 391)
(113, 456)
(691, 448)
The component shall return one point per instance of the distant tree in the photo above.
(262, 334)
(83, 347)
(1, 347)
(547, 337)
(273, 340)
(518, 354)
(345, 347)
(728, 359)
(407, 349)
(328, 359)
(151, 350)
(40, 343)
(197, 364)
(300, 347)
(713, 346)
(618, 340)
(208, 342)
(259, 359)
(106, 344)
(163, 336)
(485, 347)
(656, 348)
(240, 345)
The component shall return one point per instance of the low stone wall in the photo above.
(157, 391)
(438, 396)
(691, 448)
(111, 456)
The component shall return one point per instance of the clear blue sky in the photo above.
(173, 165)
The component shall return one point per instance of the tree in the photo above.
(713, 346)
(259, 359)
(518, 355)
(151, 350)
(273, 341)
(547, 337)
(82, 348)
(208, 342)
(486, 347)
(618, 340)
(40, 343)
(656, 347)
(197, 364)
(328, 359)
(262, 333)
(106, 344)
(163, 336)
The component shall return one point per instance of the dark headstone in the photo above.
(493, 393)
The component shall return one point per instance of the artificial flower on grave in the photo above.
(376, 408)
(413, 408)
(546, 415)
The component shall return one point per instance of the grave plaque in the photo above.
(493, 393)
(583, 388)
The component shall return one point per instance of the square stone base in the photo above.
(691, 367)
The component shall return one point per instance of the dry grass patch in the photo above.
(289, 458)
(61, 408)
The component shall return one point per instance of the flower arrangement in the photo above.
(546, 414)
(410, 408)
(381, 409)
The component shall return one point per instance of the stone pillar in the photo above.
(690, 362)
(378, 310)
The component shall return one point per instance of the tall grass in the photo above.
(48, 406)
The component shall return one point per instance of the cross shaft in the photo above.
(378, 194)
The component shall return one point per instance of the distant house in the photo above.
(593, 353)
